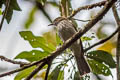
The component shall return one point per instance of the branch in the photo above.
(41, 7)
(22, 68)
(39, 68)
(102, 41)
(81, 20)
(87, 7)
(118, 41)
(47, 72)
(36, 71)
(69, 42)
(5, 13)
(12, 61)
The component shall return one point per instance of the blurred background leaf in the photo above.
(108, 47)
(50, 37)
(100, 34)
(30, 19)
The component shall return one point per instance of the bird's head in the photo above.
(57, 20)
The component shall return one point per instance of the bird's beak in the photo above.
(51, 24)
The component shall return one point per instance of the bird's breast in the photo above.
(65, 29)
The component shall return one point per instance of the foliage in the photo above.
(37, 41)
(21, 75)
(85, 38)
(13, 6)
(102, 56)
(56, 74)
(99, 68)
(96, 64)
(33, 55)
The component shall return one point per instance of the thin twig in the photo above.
(116, 15)
(69, 42)
(87, 7)
(47, 72)
(36, 71)
(81, 20)
(12, 61)
(102, 41)
(22, 68)
(5, 13)
(118, 41)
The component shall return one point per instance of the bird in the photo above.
(66, 29)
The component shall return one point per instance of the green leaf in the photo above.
(30, 19)
(61, 75)
(21, 75)
(54, 74)
(31, 56)
(102, 56)
(85, 38)
(36, 41)
(51, 46)
(99, 68)
(50, 37)
(13, 6)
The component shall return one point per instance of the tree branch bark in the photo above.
(118, 41)
(87, 7)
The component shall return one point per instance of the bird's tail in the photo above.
(82, 64)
